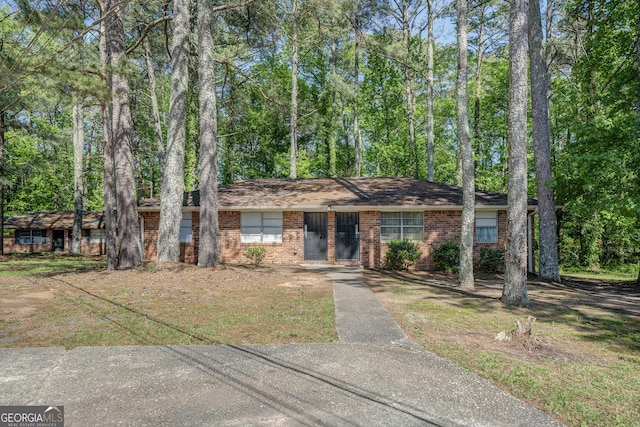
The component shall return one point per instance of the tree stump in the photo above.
(523, 334)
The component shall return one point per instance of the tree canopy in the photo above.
(362, 72)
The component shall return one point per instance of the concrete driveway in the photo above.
(374, 376)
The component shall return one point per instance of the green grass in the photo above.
(46, 263)
(585, 374)
(143, 308)
(625, 275)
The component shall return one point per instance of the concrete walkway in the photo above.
(373, 376)
(360, 317)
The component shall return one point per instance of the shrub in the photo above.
(491, 261)
(402, 254)
(255, 254)
(447, 256)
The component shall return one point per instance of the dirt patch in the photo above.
(175, 304)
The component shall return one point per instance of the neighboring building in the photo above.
(50, 231)
(325, 220)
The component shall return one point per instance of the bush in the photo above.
(255, 254)
(447, 256)
(491, 261)
(402, 254)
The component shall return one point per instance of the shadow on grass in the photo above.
(609, 315)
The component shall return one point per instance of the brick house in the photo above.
(324, 220)
(334, 220)
(50, 231)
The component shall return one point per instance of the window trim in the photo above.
(485, 216)
(95, 235)
(186, 223)
(265, 223)
(402, 225)
(18, 237)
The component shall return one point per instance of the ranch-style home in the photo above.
(333, 220)
(321, 220)
(50, 231)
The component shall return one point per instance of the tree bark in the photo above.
(540, 89)
(172, 190)
(332, 118)
(430, 119)
(408, 86)
(357, 136)
(478, 91)
(108, 181)
(2, 124)
(293, 154)
(638, 107)
(208, 249)
(129, 251)
(515, 281)
(638, 64)
(466, 154)
(78, 190)
(155, 110)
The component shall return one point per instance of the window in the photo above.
(185, 227)
(261, 227)
(487, 227)
(401, 225)
(31, 237)
(95, 236)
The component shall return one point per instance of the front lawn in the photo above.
(584, 369)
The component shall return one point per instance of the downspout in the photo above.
(141, 222)
(530, 264)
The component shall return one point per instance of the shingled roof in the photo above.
(54, 220)
(337, 192)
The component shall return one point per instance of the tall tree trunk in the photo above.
(78, 189)
(173, 177)
(332, 117)
(478, 91)
(466, 154)
(430, 119)
(638, 64)
(155, 110)
(129, 252)
(293, 154)
(108, 181)
(408, 85)
(356, 102)
(540, 89)
(2, 124)
(208, 249)
(515, 280)
(638, 106)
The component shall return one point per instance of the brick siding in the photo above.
(86, 248)
(439, 227)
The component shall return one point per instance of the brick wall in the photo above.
(289, 251)
(10, 246)
(439, 227)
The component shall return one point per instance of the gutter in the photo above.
(341, 208)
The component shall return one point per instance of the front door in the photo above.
(347, 236)
(315, 236)
(58, 240)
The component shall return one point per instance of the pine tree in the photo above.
(515, 279)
